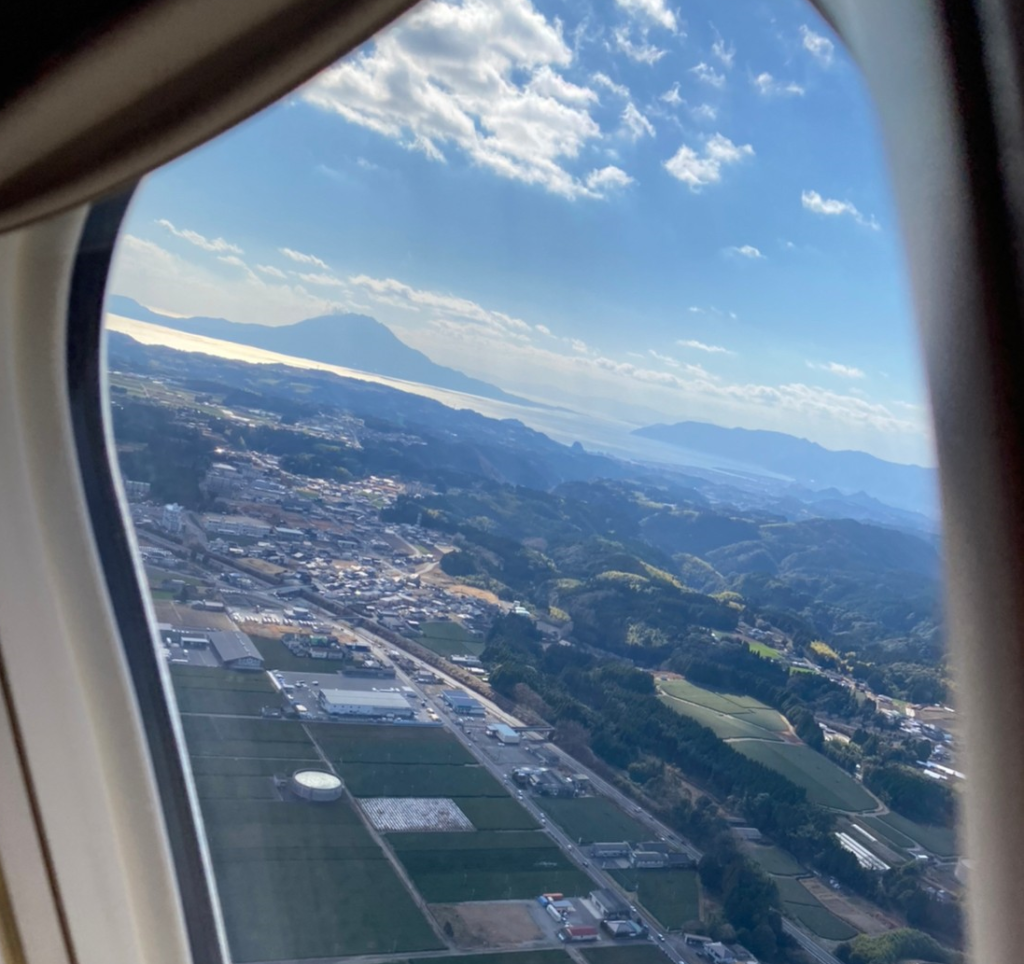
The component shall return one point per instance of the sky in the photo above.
(649, 210)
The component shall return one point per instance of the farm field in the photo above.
(774, 860)
(371, 743)
(449, 639)
(940, 841)
(496, 813)
(278, 656)
(624, 954)
(886, 845)
(806, 908)
(201, 689)
(450, 868)
(284, 867)
(419, 780)
(537, 956)
(763, 649)
(672, 896)
(826, 784)
(592, 819)
(729, 716)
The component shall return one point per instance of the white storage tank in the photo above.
(317, 785)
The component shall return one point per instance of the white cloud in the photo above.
(701, 346)
(634, 124)
(726, 53)
(479, 78)
(768, 86)
(322, 278)
(664, 359)
(607, 179)
(304, 258)
(830, 207)
(194, 237)
(707, 74)
(653, 10)
(819, 47)
(269, 269)
(579, 346)
(745, 251)
(835, 368)
(712, 311)
(704, 112)
(698, 169)
(603, 80)
(544, 330)
(672, 96)
(642, 52)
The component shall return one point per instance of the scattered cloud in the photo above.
(672, 97)
(579, 346)
(634, 124)
(701, 346)
(819, 47)
(707, 74)
(653, 10)
(603, 80)
(544, 330)
(704, 112)
(830, 207)
(700, 168)
(269, 269)
(769, 86)
(712, 311)
(745, 251)
(642, 52)
(835, 368)
(726, 53)
(475, 78)
(304, 258)
(322, 278)
(217, 245)
(602, 182)
(664, 359)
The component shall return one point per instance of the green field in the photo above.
(419, 780)
(763, 649)
(624, 954)
(727, 715)
(285, 868)
(449, 868)
(774, 860)
(672, 896)
(592, 819)
(891, 841)
(826, 784)
(278, 656)
(450, 639)
(800, 903)
(202, 689)
(371, 743)
(536, 956)
(496, 813)
(940, 841)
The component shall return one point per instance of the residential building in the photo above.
(609, 904)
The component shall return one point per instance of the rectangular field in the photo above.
(285, 868)
(537, 956)
(728, 715)
(450, 639)
(826, 784)
(799, 903)
(774, 860)
(624, 954)
(202, 689)
(672, 896)
(593, 819)
(451, 868)
(496, 813)
(371, 743)
(940, 841)
(278, 656)
(419, 780)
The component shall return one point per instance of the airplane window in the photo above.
(525, 442)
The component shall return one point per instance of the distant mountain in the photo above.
(909, 487)
(352, 341)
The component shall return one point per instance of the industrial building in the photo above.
(235, 525)
(609, 904)
(623, 929)
(235, 650)
(374, 703)
(315, 785)
(609, 851)
(503, 733)
(656, 854)
(547, 783)
(463, 704)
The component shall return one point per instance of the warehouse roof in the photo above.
(385, 699)
(231, 645)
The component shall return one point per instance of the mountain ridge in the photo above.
(349, 340)
(848, 471)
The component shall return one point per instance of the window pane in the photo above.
(526, 441)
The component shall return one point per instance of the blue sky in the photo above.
(643, 209)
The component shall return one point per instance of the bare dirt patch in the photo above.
(498, 923)
(857, 913)
(183, 616)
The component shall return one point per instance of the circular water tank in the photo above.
(317, 785)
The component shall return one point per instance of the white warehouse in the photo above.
(339, 702)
